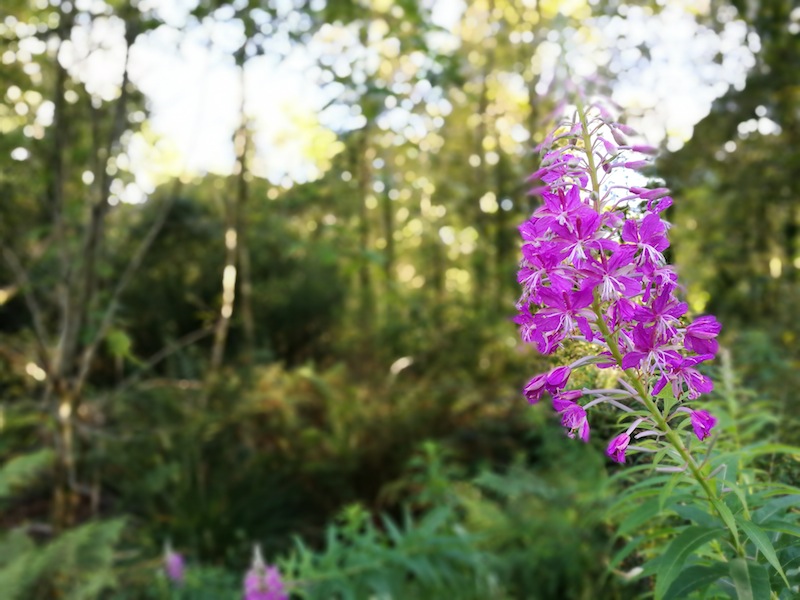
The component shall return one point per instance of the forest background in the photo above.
(258, 274)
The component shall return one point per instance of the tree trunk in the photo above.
(245, 276)
(364, 177)
(228, 286)
(79, 291)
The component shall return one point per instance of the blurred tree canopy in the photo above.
(737, 236)
(250, 349)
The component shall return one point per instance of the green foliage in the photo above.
(316, 439)
(390, 258)
(742, 543)
(474, 538)
(77, 565)
(22, 470)
(201, 582)
(737, 230)
(417, 558)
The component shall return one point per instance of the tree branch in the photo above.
(94, 230)
(122, 284)
(166, 351)
(24, 283)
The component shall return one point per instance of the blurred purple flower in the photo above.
(263, 582)
(174, 566)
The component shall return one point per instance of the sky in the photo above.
(194, 89)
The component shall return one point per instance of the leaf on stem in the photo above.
(761, 541)
(671, 563)
(750, 580)
(695, 578)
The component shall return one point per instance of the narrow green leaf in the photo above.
(393, 532)
(671, 563)
(790, 558)
(695, 578)
(698, 516)
(741, 495)
(761, 449)
(750, 579)
(775, 506)
(728, 517)
(669, 401)
(790, 529)
(761, 541)
(643, 489)
(625, 551)
(23, 470)
(643, 513)
(667, 490)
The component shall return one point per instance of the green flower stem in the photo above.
(671, 435)
(587, 142)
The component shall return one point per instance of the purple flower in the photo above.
(562, 314)
(680, 371)
(617, 447)
(659, 281)
(660, 205)
(562, 208)
(702, 422)
(613, 276)
(542, 263)
(574, 420)
(263, 582)
(563, 400)
(650, 237)
(552, 382)
(580, 238)
(174, 566)
(664, 312)
(592, 272)
(527, 328)
(535, 389)
(650, 350)
(700, 335)
(557, 378)
(636, 164)
(650, 193)
(573, 416)
(644, 149)
(557, 166)
(610, 148)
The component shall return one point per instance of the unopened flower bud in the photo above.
(702, 423)
(617, 447)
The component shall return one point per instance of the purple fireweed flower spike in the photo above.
(702, 423)
(593, 270)
(174, 565)
(263, 582)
